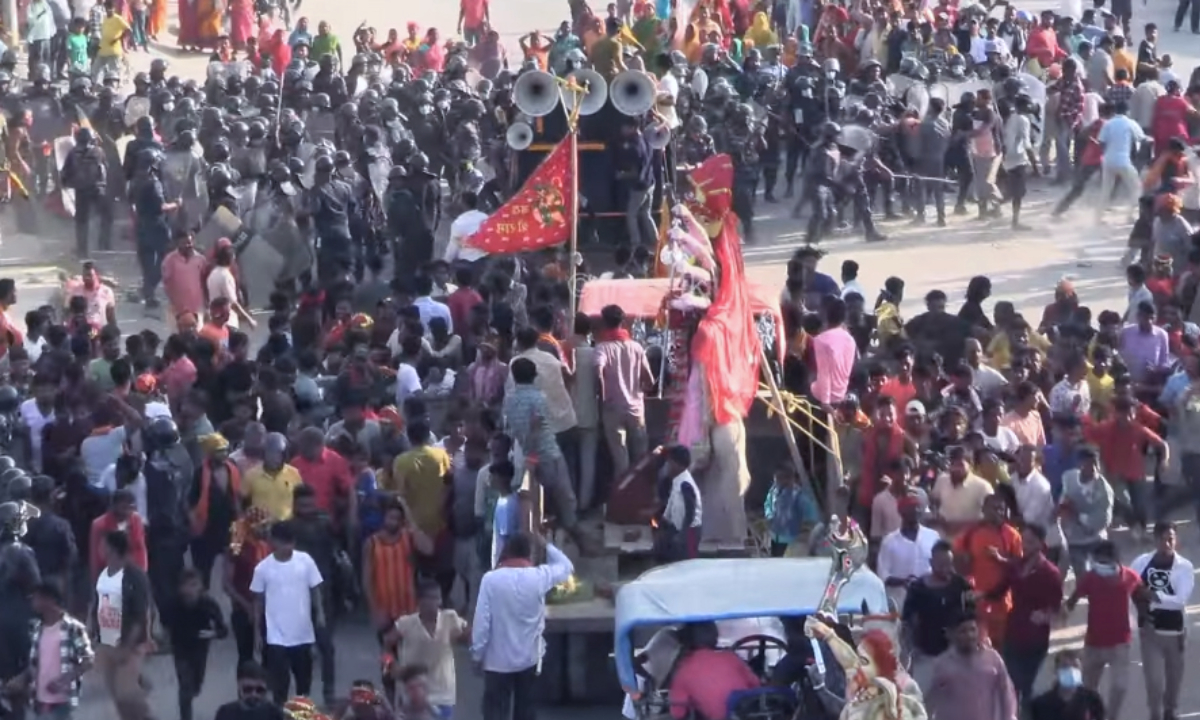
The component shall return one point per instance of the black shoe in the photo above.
(876, 237)
(961, 210)
(941, 222)
(1021, 227)
(918, 220)
(152, 304)
(893, 216)
(769, 197)
(787, 194)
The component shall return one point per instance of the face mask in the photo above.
(1104, 569)
(1070, 677)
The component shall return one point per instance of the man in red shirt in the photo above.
(1037, 594)
(1089, 161)
(706, 677)
(328, 474)
(1122, 440)
(1109, 587)
(473, 19)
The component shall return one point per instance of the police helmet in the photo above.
(162, 433)
(10, 399)
(325, 164)
(320, 101)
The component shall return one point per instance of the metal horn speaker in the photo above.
(536, 93)
(699, 83)
(519, 136)
(633, 93)
(595, 92)
(658, 136)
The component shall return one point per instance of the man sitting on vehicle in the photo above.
(821, 680)
(706, 677)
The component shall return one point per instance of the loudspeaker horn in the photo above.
(633, 93)
(658, 136)
(536, 93)
(595, 92)
(519, 136)
(699, 83)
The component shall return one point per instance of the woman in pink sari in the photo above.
(241, 22)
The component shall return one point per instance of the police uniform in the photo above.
(86, 172)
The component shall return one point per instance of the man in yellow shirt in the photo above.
(269, 486)
(112, 50)
(419, 476)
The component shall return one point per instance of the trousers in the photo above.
(1182, 10)
(639, 223)
(1095, 661)
(153, 238)
(509, 695)
(1163, 659)
(1112, 177)
(86, 204)
(190, 668)
(284, 663)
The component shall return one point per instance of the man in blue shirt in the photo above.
(1119, 139)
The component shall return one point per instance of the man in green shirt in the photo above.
(326, 43)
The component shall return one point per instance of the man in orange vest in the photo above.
(214, 501)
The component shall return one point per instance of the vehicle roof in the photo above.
(724, 589)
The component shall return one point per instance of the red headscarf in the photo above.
(281, 53)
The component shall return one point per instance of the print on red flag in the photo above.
(539, 215)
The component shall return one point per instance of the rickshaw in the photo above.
(723, 590)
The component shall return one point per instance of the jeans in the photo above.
(284, 663)
(1023, 665)
(1141, 498)
(639, 223)
(1110, 176)
(1189, 467)
(242, 627)
(325, 646)
(137, 29)
(1082, 177)
(509, 695)
(1062, 153)
(924, 189)
(589, 442)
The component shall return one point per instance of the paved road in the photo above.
(1023, 267)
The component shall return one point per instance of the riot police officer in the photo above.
(151, 227)
(329, 204)
(745, 148)
(86, 172)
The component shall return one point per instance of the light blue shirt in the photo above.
(1173, 388)
(429, 309)
(41, 22)
(1118, 137)
(505, 524)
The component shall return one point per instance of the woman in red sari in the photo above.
(241, 22)
(188, 33)
(281, 53)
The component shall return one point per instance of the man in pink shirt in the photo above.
(834, 351)
(101, 303)
(706, 677)
(183, 277)
(623, 370)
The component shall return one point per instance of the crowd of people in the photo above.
(372, 457)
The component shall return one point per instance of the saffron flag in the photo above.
(539, 215)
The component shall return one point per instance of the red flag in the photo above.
(539, 215)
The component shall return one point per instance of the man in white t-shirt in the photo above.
(668, 91)
(36, 413)
(286, 594)
(117, 618)
(463, 227)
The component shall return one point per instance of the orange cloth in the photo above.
(392, 591)
(158, 18)
(105, 524)
(199, 512)
(990, 576)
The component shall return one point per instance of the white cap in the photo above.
(915, 407)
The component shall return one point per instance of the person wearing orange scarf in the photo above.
(218, 484)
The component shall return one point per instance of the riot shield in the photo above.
(917, 97)
(250, 162)
(247, 196)
(182, 179)
(377, 175)
(320, 125)
(48, 121)
(222, 71)
(291, 243)
(221, 223)
(62, 148)
(261, 264)
(136, 107)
